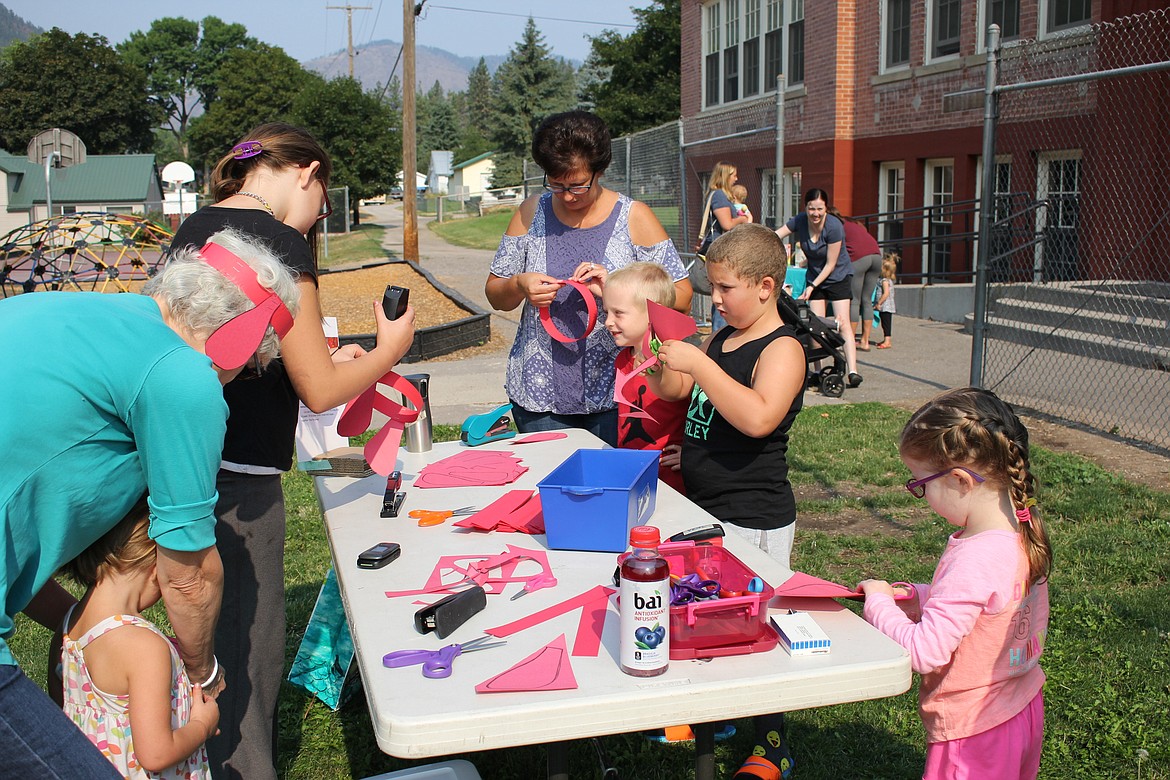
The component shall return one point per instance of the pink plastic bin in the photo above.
(739, 620)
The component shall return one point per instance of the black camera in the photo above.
(394, 301)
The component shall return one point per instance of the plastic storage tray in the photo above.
(733, 624)
(593, 499)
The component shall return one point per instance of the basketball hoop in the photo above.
(55, 148)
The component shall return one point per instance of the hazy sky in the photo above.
(305, 29)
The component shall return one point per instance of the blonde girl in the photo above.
(721, 217)
(976, 631)
(124, 684)
(885, 300)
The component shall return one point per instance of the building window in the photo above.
(937, 205)
(790, 204)
(796, 42)
(731, 51)
(896, 37)
(737, 64)
(891, 200)
(1005, 13)
(1064, 14)
(751, 48)
(711, 55)
(944, 27)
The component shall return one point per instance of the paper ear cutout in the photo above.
(232, 343)
(668, 324)
(548, 669)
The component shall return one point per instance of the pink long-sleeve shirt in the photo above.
(978, 639)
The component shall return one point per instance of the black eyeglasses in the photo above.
(252, 369)
(578, 189)
(917, 487)
(327, 206)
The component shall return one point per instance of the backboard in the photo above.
(178, 173)
(69, 148)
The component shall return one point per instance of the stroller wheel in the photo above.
(833, 385)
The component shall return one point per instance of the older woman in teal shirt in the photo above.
(102, 398)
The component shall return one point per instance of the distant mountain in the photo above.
(13, 28)
(372, 63)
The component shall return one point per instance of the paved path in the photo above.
(927, 357)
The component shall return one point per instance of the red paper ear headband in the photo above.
(232, 343)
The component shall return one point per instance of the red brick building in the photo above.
(883, 108)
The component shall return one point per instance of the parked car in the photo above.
(377, 200)
(396, 192)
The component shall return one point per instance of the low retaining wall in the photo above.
(437, 340)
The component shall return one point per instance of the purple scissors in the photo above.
(684, 590)
(436, 663)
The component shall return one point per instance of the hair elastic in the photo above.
(245, 149)
(232, 343)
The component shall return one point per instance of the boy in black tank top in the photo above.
(746, 386)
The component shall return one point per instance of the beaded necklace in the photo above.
(259, 198)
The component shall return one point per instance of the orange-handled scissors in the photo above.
(427, 517)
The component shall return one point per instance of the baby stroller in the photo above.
(820, 340)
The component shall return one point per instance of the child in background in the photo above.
(624, 294)
(976, 632)
(124, 684)
(745, 386)
(885, 301)
(739, 207)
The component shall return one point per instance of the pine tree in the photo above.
(529, 86)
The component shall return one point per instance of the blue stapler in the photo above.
(487, 427)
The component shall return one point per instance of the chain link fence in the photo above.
(1077, 251)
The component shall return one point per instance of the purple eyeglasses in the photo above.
(917, 487)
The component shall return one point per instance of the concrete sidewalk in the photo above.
(927, 356)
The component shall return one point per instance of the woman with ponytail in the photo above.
(272, 185)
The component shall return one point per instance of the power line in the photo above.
(529, 16)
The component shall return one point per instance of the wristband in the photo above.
(214, 672)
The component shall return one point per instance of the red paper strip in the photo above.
(590, 308)
(533, 438)
(589, 628)
(593, 595)
(807, 586)
(493, 514)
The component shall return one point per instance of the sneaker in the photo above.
(760, 768)
(854, 379)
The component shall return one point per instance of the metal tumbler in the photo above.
(418, 433)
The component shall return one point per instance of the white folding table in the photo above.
(416, 717)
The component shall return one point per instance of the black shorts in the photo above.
(833, 291)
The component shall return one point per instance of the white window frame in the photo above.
(883, 48)
(984, 19)
(1044, 30)
(929, 55)
(992, 206)
(1043, 190)
(932, 197)
(790, 197)
(747, 16)
(888, 198)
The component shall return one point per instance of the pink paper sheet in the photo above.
(548, 669)
(807, 586)
(517, 511)
(533, 438)
(472, 468)
(668, 324)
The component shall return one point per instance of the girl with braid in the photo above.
(975, 633)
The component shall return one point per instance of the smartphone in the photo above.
(379, 555)
(394, 301)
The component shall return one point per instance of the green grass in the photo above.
(362, 243)
(1107, 657)
(475, 232)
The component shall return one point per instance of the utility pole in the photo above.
(409, 161)
(349, 9)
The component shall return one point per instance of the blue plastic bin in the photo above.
(593, 499)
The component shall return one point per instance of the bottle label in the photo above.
(645, 624)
